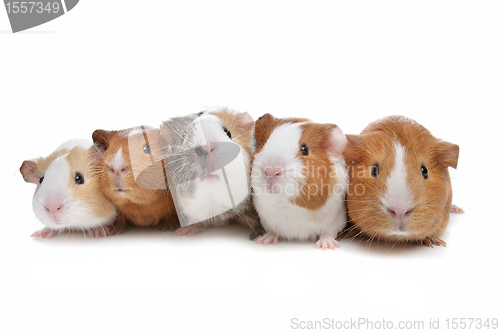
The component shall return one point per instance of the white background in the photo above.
(115, 64)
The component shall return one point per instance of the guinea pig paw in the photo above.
(117, 228)
(267, 238)
(326, 243)
(456, 209)
(98, 232)
(167, 225)
(190, 230)
(259, 231)
(45, 233)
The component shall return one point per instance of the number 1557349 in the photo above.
(25, 7)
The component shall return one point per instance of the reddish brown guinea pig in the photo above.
(400, 188)
(132, 176)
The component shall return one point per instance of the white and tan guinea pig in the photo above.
(400, 188)
(68, 195)
(299, 180)
(208, 168)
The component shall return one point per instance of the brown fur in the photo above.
(432, 197)
(320, 172)
(140, 206)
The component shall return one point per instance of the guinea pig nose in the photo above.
(399, 212)
(211, 146)
(199, 151)
(273, 171)
(206, 149)
(55, 209)
(118, 170)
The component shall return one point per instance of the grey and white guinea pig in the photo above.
(299, 180)
(400, 187)
(208, 168)
(68, 195)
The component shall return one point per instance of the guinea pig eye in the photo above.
(41, 180)
(304, 150)
(79, 179)
(425, 172)
(375, 170)
(146, 149)
(227, 132)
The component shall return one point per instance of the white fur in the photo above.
(75, 143)
(55, 188)
(398, 195)
(280, 152)
(118, 162)
(211, 197)
(277, 211)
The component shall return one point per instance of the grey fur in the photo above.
(184, 165)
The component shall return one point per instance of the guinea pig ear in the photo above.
(267, 115)
(246, 123)
(101, 142)
(351, 150)
(29, 171)
(261, 126)
(447, 154)
(336, 141)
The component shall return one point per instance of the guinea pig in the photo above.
(208, 168)
(131, 175)
(299, 180)
(400, 188)
(68, 195)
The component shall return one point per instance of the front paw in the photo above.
(116, 228)
(45, 233)
(100, 232)
(170, 225)
(258, 231)
(456, 209)
(190, 230)
(267, 238)
(327, 242)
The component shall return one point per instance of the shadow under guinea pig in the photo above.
(233, 233)
(353, 236)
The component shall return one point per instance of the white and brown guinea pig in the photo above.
(400, 188)
(131, 175)
(299, 180)
(68, 195)
(208, 169)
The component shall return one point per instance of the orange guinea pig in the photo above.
(132, 176)
(400, 188)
